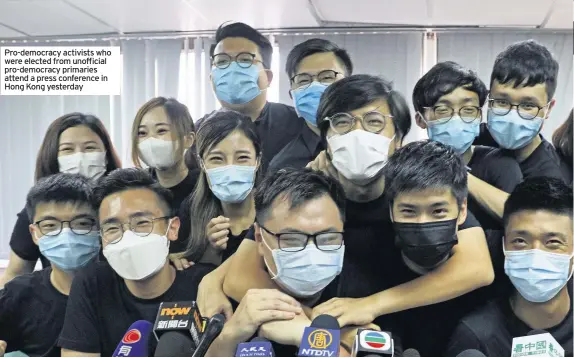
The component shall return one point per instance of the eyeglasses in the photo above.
(526, 110)
(296, 241)
(243, 59)
(304, 80)
(374, 122)
(443, 114)
(141, 226)
(53, 227)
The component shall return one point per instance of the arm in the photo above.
(16, 267)
(488, 197)
(210, 296)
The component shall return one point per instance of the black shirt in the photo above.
(21, 241)
(299, 152)
(233, 244)
(491, 329)
(276, 126)
(32, 314)
(180, 206)
(101, 308)
(545, 161)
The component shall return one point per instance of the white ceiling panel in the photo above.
(393, 12)
(7, 32)
(48, 17)
(561, 17)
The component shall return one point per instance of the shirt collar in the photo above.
(311, 140)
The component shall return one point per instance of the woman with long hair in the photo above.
(222, 208)
(75, 143)
(562, 140)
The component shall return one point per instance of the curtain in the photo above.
(478, 51)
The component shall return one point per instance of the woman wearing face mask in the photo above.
(74, 143)
(162, 134)
(222, 206)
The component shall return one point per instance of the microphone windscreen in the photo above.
(411, 352)
(471, 353)
(174, 344)
(536, 331)
(325, 321)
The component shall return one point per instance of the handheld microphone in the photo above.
(322, 338)
(179, 317)
(471, 353)
(213, 328)
(258, 347)
(373, 343)
(538, 343)
(411, 352)
(135, 341)
(174, 344)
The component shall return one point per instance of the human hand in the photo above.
(179, 261)
(349, 333)
(349, 311)
(217, 230)
(286, 332)
(3, 346)
(211, 299)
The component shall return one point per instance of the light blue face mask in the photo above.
(307, 101)
(235, 84)
(455, 133)
(512, 131)
(231, 183)
(68, 250)
(537, 275)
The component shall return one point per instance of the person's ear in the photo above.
(550, 107)
(269, 74)
(420, 120)
(258, 238)
(173, 229)
(463, 212)
(35, 233)
(189, 140)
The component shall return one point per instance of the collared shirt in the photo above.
(299, 152)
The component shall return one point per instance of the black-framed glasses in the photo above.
(304, 80)
(141, 226)
(79, 226)
(296, 241)
(243, 59)
(374, 122)
(443, 114)
(526, 110)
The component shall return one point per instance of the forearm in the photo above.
(488, 197)
(223, 346)
(16, 267)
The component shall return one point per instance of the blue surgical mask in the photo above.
(512, 131)
(231, 183)
(537, 275)
(70, 251)
(307, 101)
(306, 272)
(455, 133)
(235, 84)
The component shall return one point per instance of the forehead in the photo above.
(460, 94)
(425, 197)
(79, 133)
(380, 105)
(62, 210)
(539, 222)
(236, 140)
(127, 202)
(155, 116)
(235, 45)
(507, 90)
(318, 62)
(319, 213)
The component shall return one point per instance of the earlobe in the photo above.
(32, 229)
(173, 229)
(419, 120)
(463, 213)
(190, 139)
(269, 77)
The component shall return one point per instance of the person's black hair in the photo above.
(425, 165)
(357, 91)
(297, 186)
(239, 29)
(526, 63)
(444, 78)
(539, 193)
(59, 188)
(311, 47)
(562, 140)
(128, 179)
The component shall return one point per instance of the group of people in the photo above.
(273, 214)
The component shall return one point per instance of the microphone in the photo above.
(181, 317)
(322, 338)
(373, 343)
(471, 353)
(212, 330)
(537, 343)
(135, 341)
(258, 347)
(411, 352)
(174, 344)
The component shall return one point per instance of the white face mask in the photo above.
(137, 258)
(306, 272)
(359, 155)
(157, 153)
(91, 165)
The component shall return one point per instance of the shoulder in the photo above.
(282, 112)
(485, 321)
(196, 272)
(470, 222)
(95, 274)
(22, 287)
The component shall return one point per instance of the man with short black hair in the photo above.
(241, 75)
(33, 306)
(538, 246)
(311, 66)
(136, 225)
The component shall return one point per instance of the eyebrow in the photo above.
(243, 152)
(530, 99)
(555, 234)
(132, 216)
(440, 203)
(289, 230)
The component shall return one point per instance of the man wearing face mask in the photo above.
(136, 226)
(311, 66)
(538, 248)
(33, 306)
(241, 75)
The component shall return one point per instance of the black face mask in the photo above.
(426, 244)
